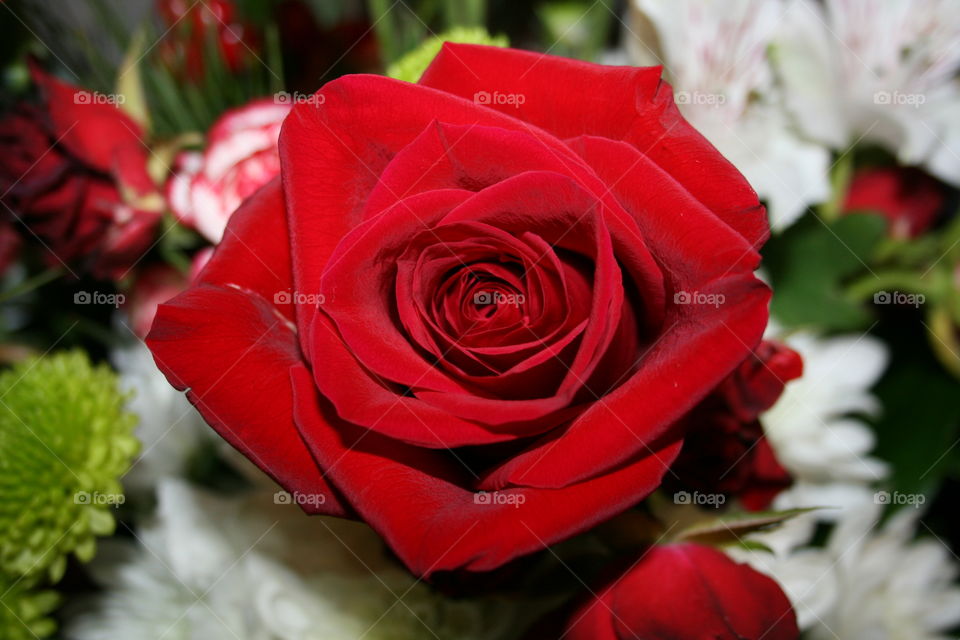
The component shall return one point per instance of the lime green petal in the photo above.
(65, 440)
(23, 611)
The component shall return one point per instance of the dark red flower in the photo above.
(686, 592)
(75, 173)
(725, 450)
(477, 308)
(189, 26)
(908, 198)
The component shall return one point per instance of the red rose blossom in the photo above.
(908, 198)
(75, 173)
(462, 318)
(686, 591)
(725, 450)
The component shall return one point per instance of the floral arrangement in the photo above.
(480, 320)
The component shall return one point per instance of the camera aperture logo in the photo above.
(499, 497)
(899, 98)
(914, 300)
(700, 98)
(285, 97)
(298, 498)
(489, 298)
(99, 499)
(296, 297)
(114, 300)
(95, 97)
(696, 297)
(497, 99)
(915, 500)
(715, 500)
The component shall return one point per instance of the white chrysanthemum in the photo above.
(869, 581)
(880, 71)
(811, 428)
(169, 429)
(715, 55)
(247, 568)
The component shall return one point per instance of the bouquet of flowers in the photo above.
(480, 320)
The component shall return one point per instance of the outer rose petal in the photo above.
(415, 498)
(91, 130)
(230, 347)
(687, 591)
(637, 107)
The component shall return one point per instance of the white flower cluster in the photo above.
(870, 581)
(246, 568)
(776, 85)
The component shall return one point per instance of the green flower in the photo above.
(23, 612)
(65, 440)
(411, 66)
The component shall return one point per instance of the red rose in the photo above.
(241, 156)
(687, 591)
(474, 322)
(908, 198)
(189, 26)
(724, 449)
(76, 175)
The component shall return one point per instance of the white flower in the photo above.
(247, 568)
(869, 582)
(881, 71)
(715, 54)
(810, 428)
(169, 429)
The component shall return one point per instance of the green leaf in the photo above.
(809, 265)
(731, 528)
(130, 82)
(918, 430)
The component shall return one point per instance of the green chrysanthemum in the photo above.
(411, 66)
(65, 440)
(23, 612)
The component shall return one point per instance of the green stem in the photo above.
(839, 183)
(31, 284)
(900, 281)
(465, 13)
(384, 27)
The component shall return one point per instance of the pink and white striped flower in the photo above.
(241, 156)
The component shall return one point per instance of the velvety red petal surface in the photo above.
(415, 499)
(686, 592)
(230, 347)
(571, 98)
